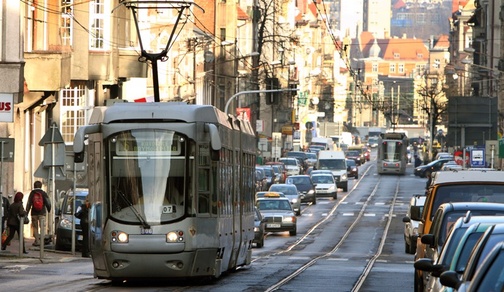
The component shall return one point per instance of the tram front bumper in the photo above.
(136, 266)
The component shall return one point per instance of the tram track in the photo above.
(370, 262)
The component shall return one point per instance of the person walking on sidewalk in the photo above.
(39, 205)
(16, 211)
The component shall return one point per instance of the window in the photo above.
(401, 68)
(397, 55)
(374, 68)
(74, 111)
(98, 25)
(66, 22)
(392, 68)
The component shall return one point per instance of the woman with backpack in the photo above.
(16, 211)
(39, 205)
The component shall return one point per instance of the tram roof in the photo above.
(463, 176)
(175, 111)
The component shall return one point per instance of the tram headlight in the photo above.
(120, 236)
(175, 236)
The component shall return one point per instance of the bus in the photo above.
(171, 187)
(392, 154)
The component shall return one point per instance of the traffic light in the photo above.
(272, 97)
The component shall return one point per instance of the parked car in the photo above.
(352, 169)
(291, 192)
(445, 216)
(487, 242)
(325, 185)
(411, 220)
(489, 276)
(451, 165)
(66, 218)
(458, 246)
(305, 186)
(259, 228)
(278, 214)
(427, 169)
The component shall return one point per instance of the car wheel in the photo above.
(335, 196)
(418, 283)
(260, 243)
(356, 176)
(314, 201)
(345, 188)
(298, 213)
(292, 232)
(413, 247)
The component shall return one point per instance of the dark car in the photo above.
(66, 217)
(426, 170)
(305, 186)
(352, 169)
(259, 227)
(354, 155)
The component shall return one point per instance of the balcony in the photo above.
(47, 71)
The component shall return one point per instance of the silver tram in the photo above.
(171, 187)
(392, 156)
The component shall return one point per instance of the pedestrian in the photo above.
(82, 213)
(16, 211)
(39, 205)
(5, 211)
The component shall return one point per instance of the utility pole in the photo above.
(255, 64)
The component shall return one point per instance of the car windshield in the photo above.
(274, 205)
(468, 193)
(449, 249)
(289, 161)
(332, 164)
(351, 162)
(68, 209)
(298, 180)
(311, 155)
(288, 191)
(322, 179)
(352, 153)
(466, 251)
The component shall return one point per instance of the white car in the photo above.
(411, 220)
(291, 165)
(325, 186)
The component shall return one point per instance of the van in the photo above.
(327, 143)
(460, 186)
(335, 162)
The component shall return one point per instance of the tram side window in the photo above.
(203, 191)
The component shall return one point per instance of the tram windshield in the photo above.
(146, 173)
(391, 151)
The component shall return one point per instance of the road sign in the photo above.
(7, 149)
(478, 157)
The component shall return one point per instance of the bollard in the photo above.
(42, 236)
(21, 236)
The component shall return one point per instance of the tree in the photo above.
(433, 102)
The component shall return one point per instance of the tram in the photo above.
(171, 187)
(392, 153)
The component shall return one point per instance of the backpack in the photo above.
(38, 201)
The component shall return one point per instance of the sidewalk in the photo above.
(11, 254)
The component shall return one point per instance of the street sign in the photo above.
(7, 149)
(478, 157)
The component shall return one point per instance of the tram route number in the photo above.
(168, 209)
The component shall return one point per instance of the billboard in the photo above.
(6, 107)
(471, 120)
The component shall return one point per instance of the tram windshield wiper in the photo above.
(135, 211)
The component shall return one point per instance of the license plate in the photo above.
(79, 237)
(273, 225)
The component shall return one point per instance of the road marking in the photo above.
(348, 214)
(369, 214)
(337, 259)
(379, 204)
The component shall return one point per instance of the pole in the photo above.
(1, 186)
(73, 207)
(254, 91)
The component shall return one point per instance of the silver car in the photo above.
(291, 192)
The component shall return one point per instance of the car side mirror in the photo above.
(415, 213)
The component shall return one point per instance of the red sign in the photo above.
(458, 157)
(243, 113)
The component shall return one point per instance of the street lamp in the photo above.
(153, 58)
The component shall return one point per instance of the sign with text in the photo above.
(6, 107)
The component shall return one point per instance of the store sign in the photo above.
(6, 107)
